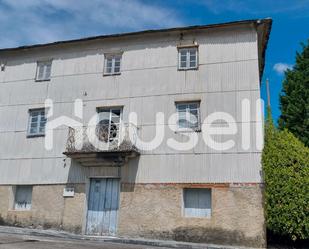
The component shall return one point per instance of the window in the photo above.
(2, 66)
(112, 64)
(108, 129)
(23, 198)
(43, 70)
(187, 58)
(188, 115)
(197, 202)
(37, 121)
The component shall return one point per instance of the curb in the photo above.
(120, 240)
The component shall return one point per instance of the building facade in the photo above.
(187, 193)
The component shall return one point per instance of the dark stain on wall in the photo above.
(207, 235)
(216, 236)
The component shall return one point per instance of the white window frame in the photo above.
(113, 58)
(111, 115)
(39, 121)
(2, 66)
(46, 74)
(187, 103)
(26, 205)
(187, 50)
(197, 212)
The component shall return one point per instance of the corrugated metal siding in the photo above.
(228, 72)
(195, 168)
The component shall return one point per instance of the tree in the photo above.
(294, 98)
(270, 129)
(285, 162)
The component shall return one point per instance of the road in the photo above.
(13, 241)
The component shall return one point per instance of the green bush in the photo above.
(285, 162)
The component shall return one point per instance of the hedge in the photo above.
(285, 162)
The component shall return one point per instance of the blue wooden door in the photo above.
(103, 205)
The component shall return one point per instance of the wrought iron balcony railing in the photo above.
(102, 138)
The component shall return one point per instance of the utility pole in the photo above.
(268, 93)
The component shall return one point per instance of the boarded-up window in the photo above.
(197, 202)
(23, 198)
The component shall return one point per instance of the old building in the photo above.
(199, 194)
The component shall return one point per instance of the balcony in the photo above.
(102, 145)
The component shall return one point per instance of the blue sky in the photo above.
(39, 21)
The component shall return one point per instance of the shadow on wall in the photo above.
(2, 222)
(128, 175)
(78, 174)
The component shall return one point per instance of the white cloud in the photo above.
(40, 21)
(280, 68)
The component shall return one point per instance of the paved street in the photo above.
(9, 241)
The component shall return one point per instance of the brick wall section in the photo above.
(155, 211)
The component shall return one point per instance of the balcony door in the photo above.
(108, 128)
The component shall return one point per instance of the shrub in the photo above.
(285, 162)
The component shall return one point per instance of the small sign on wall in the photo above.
(68, 192)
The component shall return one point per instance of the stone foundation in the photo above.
(151, 211)
(49, 208)
(156, 211)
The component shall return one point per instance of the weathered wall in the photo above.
(49, 208)
(74, 208)
(4, 203)
(155, 211)
(149, 83)
(152, 211)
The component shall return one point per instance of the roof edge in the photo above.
(150, 31)
(263, 27)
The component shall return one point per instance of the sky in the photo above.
(24, 22)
